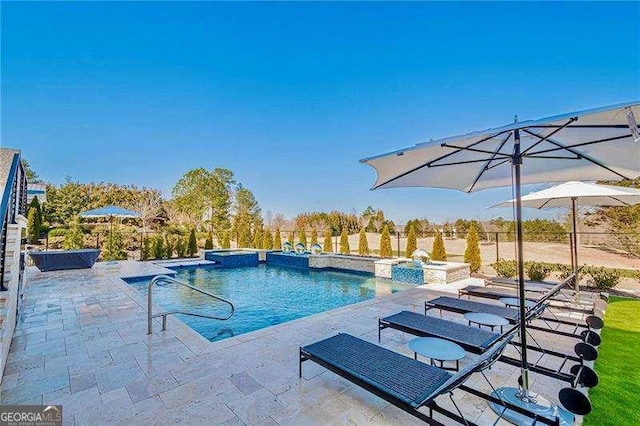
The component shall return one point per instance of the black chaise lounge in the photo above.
(499, 293)
(477, 341)
(461, 306)
(402, 381)
(534, 286)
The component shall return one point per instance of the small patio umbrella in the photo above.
(111, 212)
(596, 144)
(572, 193)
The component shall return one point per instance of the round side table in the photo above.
(489, 320)
(437, 350)
(514, 302)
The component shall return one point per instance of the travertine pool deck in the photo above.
(81, 342)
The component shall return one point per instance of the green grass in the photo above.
(615, 399)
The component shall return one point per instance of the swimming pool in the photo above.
(262, 295)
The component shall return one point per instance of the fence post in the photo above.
(46, 242)
(398, 240)
(97, 241)
(141, 241)
(335, 243)
(497, 248)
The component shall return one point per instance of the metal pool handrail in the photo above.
(167, 278)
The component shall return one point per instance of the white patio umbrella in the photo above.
(572, 194)
(111, 212)
(596, 144)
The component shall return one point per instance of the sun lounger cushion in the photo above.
(406, 379)
(458, 305)
(467, 337)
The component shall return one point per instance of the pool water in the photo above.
(262, 295)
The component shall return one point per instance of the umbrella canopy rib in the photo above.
(542, 139)
(580, 155)
(486, 166)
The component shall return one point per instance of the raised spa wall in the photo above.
(399, 269)
(404, 270)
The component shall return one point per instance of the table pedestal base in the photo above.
(539, 405)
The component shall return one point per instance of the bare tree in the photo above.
(268, 219)
(148, 205)
(279, 221)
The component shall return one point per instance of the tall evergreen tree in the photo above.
(363, 244)
(302, 237)
(169, 245)
(226, 242)
(314, 236)
(33, 231)
(438, 251)
(412, 242)
(327, 245)
(35, 203)
(181, 246)
(74, 238)
(158, 247)
(145, 253)
(472, 252)
(267, 240)
(114, 250)
(344, 242)
(193, 244)
(385, 243)
(277, 240)
(208, 244)
(257, 238)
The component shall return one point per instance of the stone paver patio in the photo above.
(81, 342)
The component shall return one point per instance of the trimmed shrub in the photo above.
(412, 242)
(505, 268)
(385, 243)
(472, 252)
(537, 271)
(344, 242)
(208, 243)
(363, 244)
(603, 278)
(57, 232)
(158, 247)
(564, 270)
(145, 253)
(192, 248)
(438, 251)
(267, 240)
(277, 240)
(327, 244)
(74, 237)
(314, 236)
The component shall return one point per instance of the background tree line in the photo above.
(219, 209)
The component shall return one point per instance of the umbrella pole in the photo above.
(517, 163)
(574, 208)
(523, 397)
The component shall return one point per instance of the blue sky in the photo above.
(291, 95)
